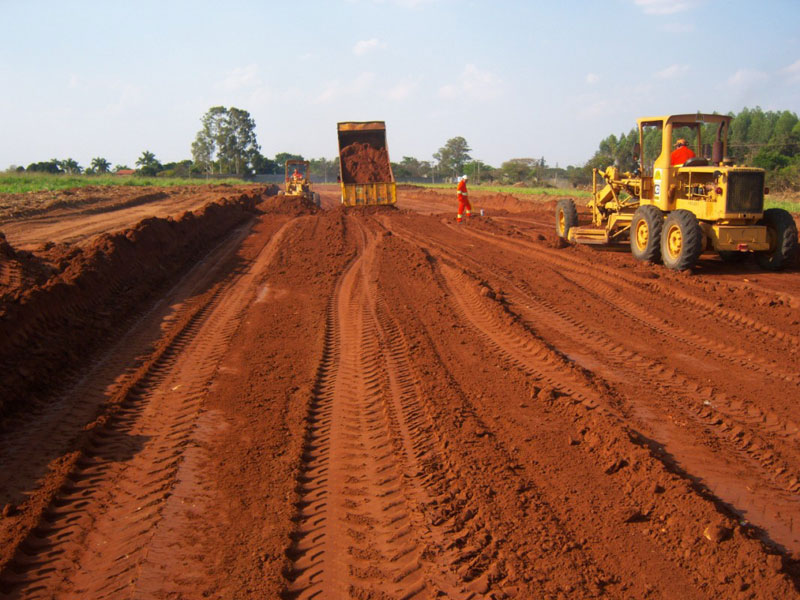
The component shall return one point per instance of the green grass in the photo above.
(21, 183)
(791, 206)
(507, 189)
(790, 203)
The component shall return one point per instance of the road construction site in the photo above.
(214, 392)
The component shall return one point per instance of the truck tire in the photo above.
(317, 200)
(646, 233)
(681, 240)
(566, 217)
(782, 235)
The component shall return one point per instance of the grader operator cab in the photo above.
(674, 213)
(298, 184)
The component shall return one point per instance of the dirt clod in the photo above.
(716, 533)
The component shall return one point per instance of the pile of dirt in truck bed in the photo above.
(362, 163)
(55, 305)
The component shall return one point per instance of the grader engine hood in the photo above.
(718, 192)
(744, 191)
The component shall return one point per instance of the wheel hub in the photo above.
(674, 241)
(642, 234)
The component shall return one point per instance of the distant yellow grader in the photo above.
(673, 213)
(298, 182)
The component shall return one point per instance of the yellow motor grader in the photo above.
(673, 213)
(298, 184)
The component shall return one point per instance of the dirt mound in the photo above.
(57, 306)
(362, 163)
(288, 205)
(271, 190)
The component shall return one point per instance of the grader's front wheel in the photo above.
(646, 233)
(566, 217)
(681, 240)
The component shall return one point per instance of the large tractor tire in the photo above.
(646, 233)
(782, 236)
(681, 240)
(566, 217)
(317, 201)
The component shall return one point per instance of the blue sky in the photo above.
(516, 79)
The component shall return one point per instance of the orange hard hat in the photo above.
(681, 142)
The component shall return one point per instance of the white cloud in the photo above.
(747, 78)
(365, 46)
(592, 110)
(473, 83)
(335, 89)
(448, 92)
(665, 7)
(401, 91)
(130, 96)
(592, 78)
(673, 72)
(241, 78)
(792, 71)
(73, 81)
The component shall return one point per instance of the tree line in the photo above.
(769, 140)
(226, 145)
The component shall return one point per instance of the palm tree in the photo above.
(100, 165)
(148, 164)
(71, 166)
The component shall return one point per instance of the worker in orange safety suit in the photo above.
(681, 154)
(463, 199)
(297, 176)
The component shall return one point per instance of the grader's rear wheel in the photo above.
(681, 240)
(566, 217)
(646, 233)
(782, 235)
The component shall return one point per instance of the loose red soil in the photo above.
(262, 399)
(362, 163)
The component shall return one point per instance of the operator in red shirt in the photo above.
(681, 154)
(463, 199)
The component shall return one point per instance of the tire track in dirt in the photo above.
(372, 467)
(547, 364)
(744, 323)
(94, 538)
(716, 421)
(45, 439)
(606, 287)
(353, 531)
(719, 427)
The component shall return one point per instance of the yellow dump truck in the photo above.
(365, 173)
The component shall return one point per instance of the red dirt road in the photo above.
(264, 400)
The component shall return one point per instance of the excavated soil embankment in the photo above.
(59, 303)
